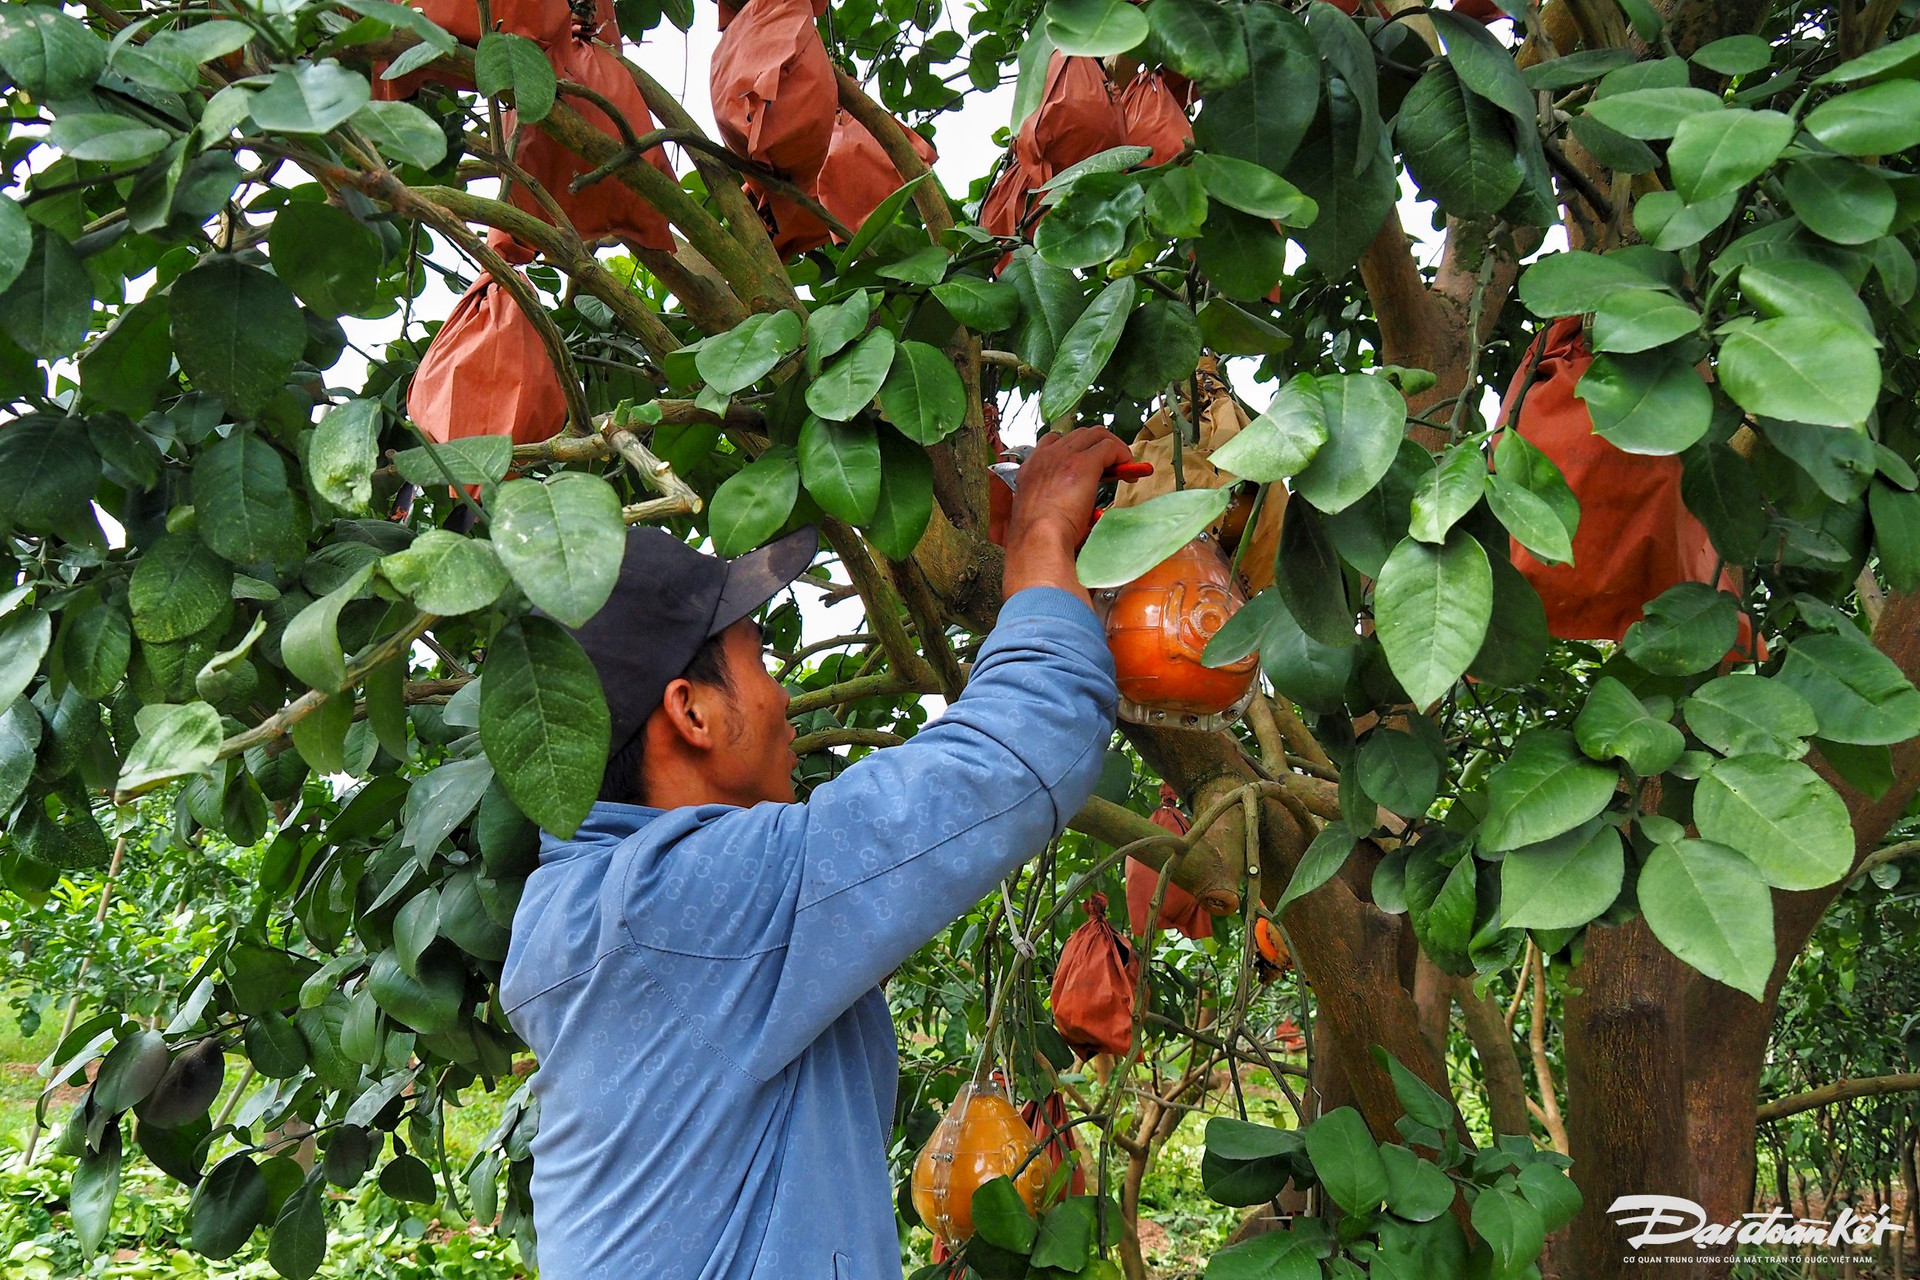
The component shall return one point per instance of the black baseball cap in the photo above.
(669, 601)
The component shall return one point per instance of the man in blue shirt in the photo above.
(698, 968)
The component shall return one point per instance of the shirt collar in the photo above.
(606, 825)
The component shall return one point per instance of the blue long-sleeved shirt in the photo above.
(701, 985)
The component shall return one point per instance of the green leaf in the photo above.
(343, 453)
(1573, 69)
(174, 742)
(326, 257)
(1896, 60)
(275, 1046)
(437, 803)
(1667, 222)
(735, 360)
(1264, 117)
(16, 239)
(901, 515)
(1431, 606)
(1652, 404)
(408, 1178)
(106, 138)
(1365, 417)
(466, 460)
(129, 364)
(1085, 348)
(1804, 288)
(1546, 787)
(840, 466)
(1398, 771)
(321, 737)
(312, 97)
(237, 330)
(1347, 1160)
(1517, 638)
(1710, 907)
(1733, 55)
(1276, 1255)
(1840, 200)
(1718, 152)
(1637, 319)
(48, 54)
(1353, 184)
(20, 731)
(1483, 65)
(1748, 715)
(245, 506)
(446, 573)
(755, 501)
(96, 1182)
(310, 647)
(1301, 668)
(1781, 815)
(1176, 202)
(430, 1003)
(1611, 148)
(1242, 255)
(1000, 1216)
(298, 1244)
(1319, 864)
(48, 472)
(849, 384)
(227, 1206)
(1576, 282)
(1094, 28)
(1856, 691)
(1416, 1189)
(562, 540)
(1564, 882)
(1279, 443)
(1253, 189)
(1128, 541)
(1896, 534)
(1200, 40)
(401, 131)
(1874, 121)
(544, 722)
(882, 216)
(178, 586)
(1162, 343)
(49, 306)
(1615, 723)
(1050, 301)
(1510, 1226)
(1688, 628)
(1803, 369)
(1530, 519)
(985, 306)
(1090, 225)
(1457, 145)
(1652, 113)
(1552, 1192)
(922, 395)
(1717, 485)
(1066, 1235)
(507, 63)
(1308, 575)
(833, 326)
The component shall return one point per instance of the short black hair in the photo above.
(623, 782)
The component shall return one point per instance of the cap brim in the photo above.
(755, 578)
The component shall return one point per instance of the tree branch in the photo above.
(892, 137)
(1839, 1091)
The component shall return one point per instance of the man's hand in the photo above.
(1053, 507)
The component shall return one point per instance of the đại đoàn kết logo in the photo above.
(1669, 1220)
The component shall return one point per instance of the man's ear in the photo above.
(687, 714)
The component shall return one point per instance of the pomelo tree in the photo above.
(235, 578)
